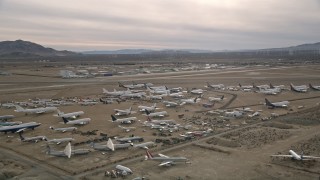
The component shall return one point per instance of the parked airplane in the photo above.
(36, 110)
(133, 95)
(115, 92)
(20, 127)
(215, 99)
(6, 117)
(158, 91)
(144, 145)
(59, 141)
(72, 115)
(8, 105)
(63, 129)
(282, 87)
(295, 156)
(10, 123)
(132, 86)
(196, 133)
(261, 87)
(235, 114)
(165, 160)
(156, 114)
(176, 95)
(127, 129)
(302, 88)
(282, 104)
(67, 152)
(245, 87)
(273, 91)
(88, 103)
(149, 108)
(130, 139)
(124, 112)
(170, 103)
(314, 87)
(77, 122)
(188, 101)
(197, 91)
(124, 170)
(31, 139)
(215, 86)
(156, 97)
(110, 146)
(128, 120)
(161, 121)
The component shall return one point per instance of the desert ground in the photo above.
(238, 148)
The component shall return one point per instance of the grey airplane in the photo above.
(72, 115)
(34, 139)
(63, 129)
(144, 145)
(301, 88)
(170, 103)
(10, 123)
(166, 160)
(156, 114)
(130, 139)
(67, 152)
(36, 110)
(6, 117)
(124, 112)
(282, 104)
(20, 127)
(77, 122)
(110, 146)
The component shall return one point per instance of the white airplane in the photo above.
(176, 95)
(197, 91)
(170, 103)
(282, 87)
(59, 141)
(149, 108)
(31, 139)
(77, 122)
(124, 112)
(8, 105)
(273, 91)
(36, 110)
(188, 101)
(10, 123)
(156, 97)
(215, 86)
(152, 121)
(134, 85)
(115, 92)
(64, 129)
(124, 170)
(130, 139)
(302, 88)
(166, 160)
(196, 133)
(128, 120)
(6, 117)
(175, 90)
(144, 145)
(156, 114)
(133, 95)
(314, 87)
(127, 129)
(235, 114)
(216, 99)
(295, 156)
(157, 87)
(282, 104)
(261, 87)
(19, 127)
(72, 115)
(88, 103)
(158, 91)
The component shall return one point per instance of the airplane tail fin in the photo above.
(147, 112)
(120, 84)
(130, 109)
(222, 97)
(113, 118)
(239, 85)
(67, 150)
(104, 90)
(154, 105)
(291, 86)
(195, 99)
(148, 118)
(65, 120)
(110, 144)
(51, 127)
(268, 103)
(19, 108)
(166, 87)
(59, 112)
(148, 155)
(20, 135)
(271, 86)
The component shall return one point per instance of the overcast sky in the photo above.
(161, 24)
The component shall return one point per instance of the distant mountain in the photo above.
(20, 48)
(302, 47)
(121, 51)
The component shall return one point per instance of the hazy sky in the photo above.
(161, 24)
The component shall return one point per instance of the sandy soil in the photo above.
(244, 153)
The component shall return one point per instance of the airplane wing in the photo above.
(161, 155)
(311, 157)
(287, 156)
(40, 112)
(20, 130)
(166, 163)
